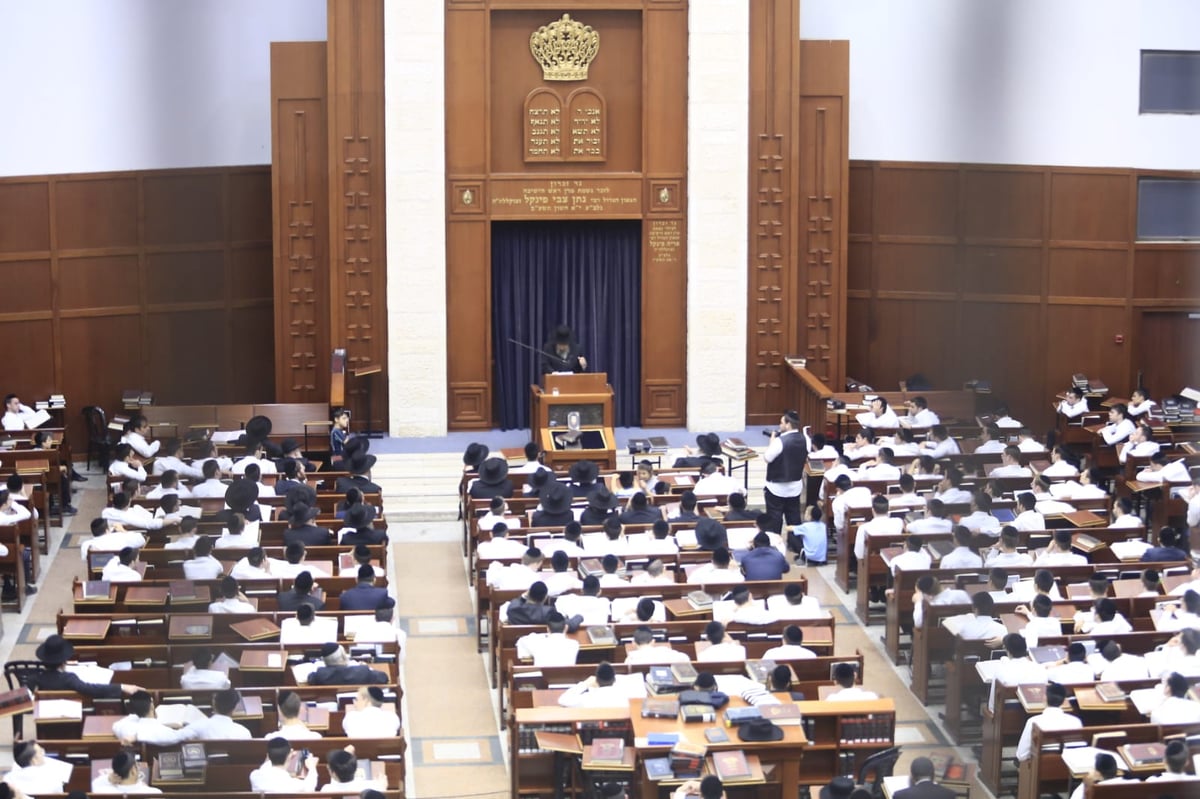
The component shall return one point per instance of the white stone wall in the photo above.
(416, 225)
(718, 126)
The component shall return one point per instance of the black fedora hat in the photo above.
(360, 463)
(476, 454)
(556, 498)
(258, 428)
(838, 788)
(241, 494)
(359, 516)
(300, 513)
(760, 730)
(289, 445)
(584, 472)
(602, 499)
(709, 444)
(301, 493)
(493, 471)
(55, 651)
(355, 445)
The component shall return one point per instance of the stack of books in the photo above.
(737, 449)
(673, 679)
(133, 399)
(686, 760)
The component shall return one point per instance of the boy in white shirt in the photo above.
(136, 431)
(1119, 427)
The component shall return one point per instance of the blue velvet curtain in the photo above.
(586, 275)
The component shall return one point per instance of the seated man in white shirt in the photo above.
(1074, 670)
(220, 726)
(273, 775)
(515, 576)
(612, 576)
(879, 415)
(1005, 553)
(881, 523)
(499, 545)
(137, 430)
(125, 464)
(343, 773)
(1028, 518)
(1052, 718)
(1061, 464)
(120, 569)
(1016, 668)
(940, 443)
(371, 716)
(212, 486)
(962, 556)
(306, 627)
(919, 414)
(106, 539)
(1074, 404)
(862, 448)
(551, 648)
(644, 650)
(170, 459)
(198, 676)
(1119, 427)
(847, 496)
(599, 690)
(991, 440)
(1040, 623)
(1164, 470)
(202, 565)
(934, 520)
(135, 516)
(34, 774)
(562, 579)
(253, 566)
(1059, 552)
(1177, 707)
(291, 726)
(717, 570)
(1114, 665)
(721, 645)
(141, 726)
(713, 481)
(1140, 444)
(644, 609)
(981, 520)
(294, 562)
(655, 573)
(497, 512)
(903, 445)
(255, 453)
(792, 646)
(253, 473)
(17, 415)
(1123, 516)
(1042, 583)
(793, 604)
(1105, 620)
(1104, 771)
(590, 605)
(844, 676)
(232, 599)
(913, 558)
(950, 490)
(168, 483)
(1010, 465)
(1175, 763)
(1027, 443)
(123, 778)
(929, 589)
(979, 624)
(881, 468)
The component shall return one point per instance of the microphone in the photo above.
(769, 433)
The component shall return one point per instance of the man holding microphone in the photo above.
(785, 456)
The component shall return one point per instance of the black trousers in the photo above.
(780, 508)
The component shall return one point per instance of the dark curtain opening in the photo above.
(586, 275)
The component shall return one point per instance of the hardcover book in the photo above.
(731, 766)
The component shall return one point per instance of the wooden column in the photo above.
(300, 202)
(357, 218)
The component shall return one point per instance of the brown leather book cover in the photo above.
(256, 629)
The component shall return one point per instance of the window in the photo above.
(1170, 82)
(1168, 209)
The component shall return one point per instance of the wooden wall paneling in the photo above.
(1000, 271)
(98, 281)
(1002, 203)
(32, 374)
(300, 214)
(101, 357)
(1080, 339)
(35, 287)
(892, 328)
(183, 208)
(103, 213)
(358, 253)
(773, 317)
(25, 216)
(1167, 272)
(1090, 206)
(1001, 342)
(186, 353)
(664, 87)
(251, 378)
(859, 312)
(467, 81)
(1167, 349)
(916, 200)
(468, 281)
(1087, 272)
(824, 176)
(915, 266)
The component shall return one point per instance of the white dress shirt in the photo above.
(961, 558)
(990, 447)
(1029, 520)
(981, 522)
(124, 470)
(233, 605)
(135, 516)
(1142, 449)
(911, 561)
(886, 419)
(1176, 710)
(19, 420)
(160, 491)
(294, 732)
(103, 785)
(322, 630)
(941, 449)
(116, 572)
(922, 418)
(856, 497)
(996, 558)
(1071, 410)
(548, 649)
(1071, 673)
(205, 568)
(150, 731)
(165, 463)
(655, 655)
(807, 608)
(594, 609)
(370, 722)
(788, 652)
(707, 573)
(1060, 469)
(277, 779)
(1171, 472)
(194, 679)
(219, 728)
(264, 466)
(1114, 433)
(144, 448)
(47, 777)
(242, 570)
(947, 596)
(1052, 718)
(851, 694)
(210, 489)
(1029, 445)
(1049, 558)
(880, 525)
(1125, 667)
(730, 650)
(113, 541)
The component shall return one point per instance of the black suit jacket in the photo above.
(65, 681)
(543, 519)
(647, 516)
(284, 486)
(309, 535)
(925, 790)
(364, 485)
(483, 491)
(289, 600)
(551, 362)
(347, 675)
(362, 597)
(368, 537)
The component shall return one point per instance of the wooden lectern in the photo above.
(551, 407)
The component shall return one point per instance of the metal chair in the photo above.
(100, 440)
(21, 674)
(878, 766)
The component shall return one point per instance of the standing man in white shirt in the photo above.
(785, 455)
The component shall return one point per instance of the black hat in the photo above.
(493, 471)
(705, 681)
(359, 463)
(289, 445)
(241, 494)
(602, 499)
(556, 498)
(328, 649)
(539, 478)
(301, 493)
(709, 444)
(612, 790)
(838, 788)
(760, 730)
(476, 454)
(375, 692)
(355, 445)
(301, 512)
(584, 472)
(359, 516)
(55, 651)
(258, 428)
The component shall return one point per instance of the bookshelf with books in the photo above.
(842, 735)
(543, 739)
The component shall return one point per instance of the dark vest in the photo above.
(789, 466)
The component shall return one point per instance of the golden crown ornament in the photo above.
(565, 48)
